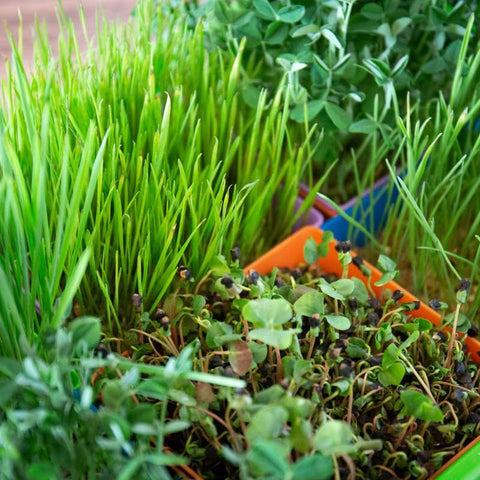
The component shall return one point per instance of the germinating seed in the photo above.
(435, 304)
(235, 254)
(397, 295)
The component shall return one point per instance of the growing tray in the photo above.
(289, 254)
(369, 209)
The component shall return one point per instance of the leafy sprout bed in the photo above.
(348, 65)
(128, 171)
(338, 382)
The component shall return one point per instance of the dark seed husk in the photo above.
(435, 304)
(472, 331)
(373, 318)
(227, 281)
(253, 277)
(464, 285)
(397, 295)
(235, 253)
(357, 260)
(353, 303)
(343, 247)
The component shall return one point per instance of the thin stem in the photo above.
(419, 378)
(453, 336)
(279, 364)
(310, 348)
(402, 436)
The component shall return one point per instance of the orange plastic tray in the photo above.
(289, 254)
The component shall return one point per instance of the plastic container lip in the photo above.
(321, 205)
(329, 211)
(313, 217)
(289, 254)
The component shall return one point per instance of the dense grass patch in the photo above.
(122, 163)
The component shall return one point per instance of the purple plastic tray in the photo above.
(313, 217)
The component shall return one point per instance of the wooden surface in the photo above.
(45, 11)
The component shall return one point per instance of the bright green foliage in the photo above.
(310, 303)
(120, 163)
(420, 406)
(338, 56)
(51, 428)
(267, 316)
(389, 269)
(312, 251)
(435, 226)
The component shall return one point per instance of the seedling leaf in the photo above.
(338, 321)
(420, 406)
(267, 312)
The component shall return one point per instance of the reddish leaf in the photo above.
(240, 357)
(204, 393)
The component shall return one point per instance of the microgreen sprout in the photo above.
(320, 355)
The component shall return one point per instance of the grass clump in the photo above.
(433, 231)
(121, 164)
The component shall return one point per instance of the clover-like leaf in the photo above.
(420, 406)
(344, 286)
(328, 290)
(291, 14)
(356, 348)
(310, 251)
(267, 312)
(240, 357)
(309, 303)
(281, 339)
(338, 321)
(313, 467)
(333, 437)
(392, 374)
(386, 264)
(267, 458)
(266, 423)
(264, 8)
(338, 116)
(87, 331)
(385, 278)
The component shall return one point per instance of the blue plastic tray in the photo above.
(382, 198)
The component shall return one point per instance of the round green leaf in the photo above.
(363, 126)
(267, 312)
(338, 116)
(264, 8)
(344, 286)
(309, 303)
(240, 357)
(281, 339)
(266, 423)
(333, 437)
(87, 330)
(291, 14)
(313, 467)
(420, 406)
(338, 321)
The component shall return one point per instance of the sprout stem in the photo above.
(453, 336)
